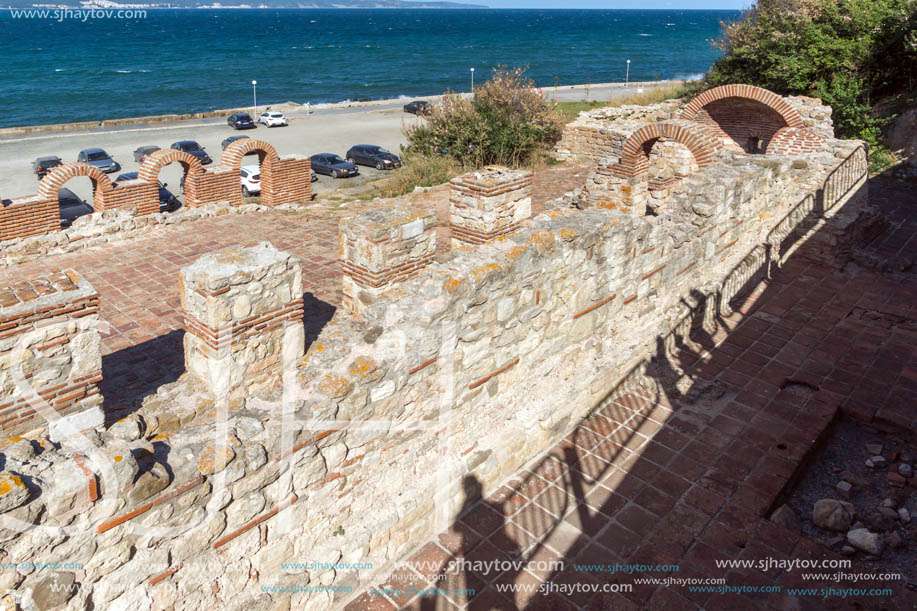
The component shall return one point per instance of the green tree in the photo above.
(847, 52)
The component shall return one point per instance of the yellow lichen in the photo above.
(119, 458)
(515, 252)
(214, 459)
(8, 482)
(481, 271)
(542, 240)
(334, 386)
(361, 366)
(451, 284)
(568, 234)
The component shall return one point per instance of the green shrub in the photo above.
(506, 122)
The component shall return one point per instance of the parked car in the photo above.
(251, 180)
(167, 201)
(376, 156)
(273, 119)
(314, 176)
(99, 158)
(193, 148)
(230, 140)
(332, 165)
(71, 207)
(417, 107)
(43, 165)
(240, 120)
(142, 152)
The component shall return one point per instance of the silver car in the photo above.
(100, 159)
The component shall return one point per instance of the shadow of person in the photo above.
(482, 552)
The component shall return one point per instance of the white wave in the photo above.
(690, 77)
(59, 69)
(644, 34)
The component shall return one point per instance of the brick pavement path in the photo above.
(686, 477)
(138, 281)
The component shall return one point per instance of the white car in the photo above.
(251, 180)
(272, 119)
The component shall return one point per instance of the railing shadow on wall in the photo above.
(619, 431)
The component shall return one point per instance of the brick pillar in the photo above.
(243, 314)
(489, 203)
(381, 247)
(288, 182)
(54, 318)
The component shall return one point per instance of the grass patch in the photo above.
(881, 159)
(418, 171)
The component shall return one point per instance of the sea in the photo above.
(62, 69)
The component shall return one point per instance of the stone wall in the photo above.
(50, 354)
(285, 180)
(473, 366)
(486, 204)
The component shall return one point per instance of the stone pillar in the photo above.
(486, 204)
(607, 188)
(243, 314)
(382, 247)
(49, 334)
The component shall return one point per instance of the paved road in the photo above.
(331, 129)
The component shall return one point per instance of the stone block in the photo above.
(488, 203)
(382, 247)
(243, 316)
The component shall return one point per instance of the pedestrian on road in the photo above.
(309, 108)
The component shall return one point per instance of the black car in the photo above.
(193, 148)
(142, 152)
(232, 139)
(417, 107)
(376, 156)
(332, 165)
(167, 201)
(43, 165)
(71, 207)
(240, 120)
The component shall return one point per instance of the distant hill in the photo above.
(229, 4)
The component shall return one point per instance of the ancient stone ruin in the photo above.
(353, 447)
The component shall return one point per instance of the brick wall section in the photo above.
(486, 204)
(635, 154)
(243, 312)
(139, 192)
(793, 141)
(289, 181)
(747, 117)
(28, 216)
(285, 180)
(63, 362)
(382, 247)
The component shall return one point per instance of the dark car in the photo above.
(43, 165)
(71, 207)
(417, 107)
(100, 159)
(193, 148)
(240, 120)
(232, 139)
(376, 156)
(167, 201)
(142, 152)
(332, 165)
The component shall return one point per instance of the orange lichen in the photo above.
(515, 252)
(481, 271)
(542, 240)
(334, 386)
(451, 284)
(214, 459)
(568, 234)
(8, 482)
(362, 365)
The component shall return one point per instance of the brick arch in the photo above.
(49, 187)
(235, 152)
(746, 117)
(155, 162)
(770, 99)
(636, 149)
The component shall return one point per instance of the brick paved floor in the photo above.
(138, 281)
(686, 477)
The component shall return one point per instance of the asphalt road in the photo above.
(328, 129)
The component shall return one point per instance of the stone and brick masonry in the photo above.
(454, 372)
(284, 180)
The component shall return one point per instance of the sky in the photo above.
(621, 4)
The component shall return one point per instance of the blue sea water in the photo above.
(177, 61)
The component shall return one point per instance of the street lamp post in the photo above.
(472, 81)
(627, 74)
(255, 97)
